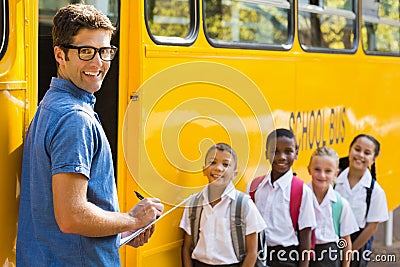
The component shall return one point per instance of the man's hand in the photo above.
(141, 239)
(146, 211)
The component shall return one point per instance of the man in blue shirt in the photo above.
(69, 214)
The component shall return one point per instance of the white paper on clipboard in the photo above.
(129, 238)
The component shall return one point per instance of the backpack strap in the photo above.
(369, 194)
(254, 185)
(238, 224)
(238, 212)
(296, 194)
(194, 216)
(337, 213)
(368, 245)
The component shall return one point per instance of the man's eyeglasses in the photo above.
(87, 53)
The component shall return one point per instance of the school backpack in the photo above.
(238, 212)
(296, 193)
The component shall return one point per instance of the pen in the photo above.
(127, 239)
(139, 196)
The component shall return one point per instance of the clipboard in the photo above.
(129, 238)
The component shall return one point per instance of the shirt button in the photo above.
(76, 168)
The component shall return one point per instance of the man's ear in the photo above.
(59, 55)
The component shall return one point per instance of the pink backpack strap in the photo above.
(254, 185)
(296, 193)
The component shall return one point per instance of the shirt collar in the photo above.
(67, 86)
(342, 178)
(284, 181)
(228, 192)
(365, 179)
(331, 195)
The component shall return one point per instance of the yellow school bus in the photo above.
(191, 73)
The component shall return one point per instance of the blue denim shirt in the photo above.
(64, 136)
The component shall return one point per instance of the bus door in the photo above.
(107, 98)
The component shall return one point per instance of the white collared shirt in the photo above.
(325, 230)
(273, 202)
(215, 241)
(378, 211)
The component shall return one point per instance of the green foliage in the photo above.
(239, 21)
(170, 18)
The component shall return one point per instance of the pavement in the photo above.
(383, 255)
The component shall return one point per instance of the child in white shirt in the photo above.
(214, 246)
(333, 213)
(286, 246)
(354, 183)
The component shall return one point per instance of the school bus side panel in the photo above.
(341, 96)
(325, 98)
(274, 80)
(17, 104)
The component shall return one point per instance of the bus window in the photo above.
(381, 27)
(3, 27)
(327, 25)
(171, 21)
(48, 8)
(248, 23)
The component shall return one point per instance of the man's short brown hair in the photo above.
(70, 19)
